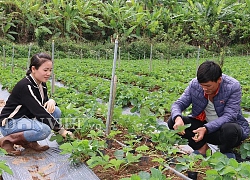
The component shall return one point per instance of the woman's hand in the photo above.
(64, 133)
(50, 105)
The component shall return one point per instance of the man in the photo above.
(216, 116)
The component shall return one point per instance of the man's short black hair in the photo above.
(208, 71)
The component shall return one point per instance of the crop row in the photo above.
(83, 101)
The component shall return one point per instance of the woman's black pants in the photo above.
(227, 137)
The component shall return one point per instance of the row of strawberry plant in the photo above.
(91, 116)
(168, 80)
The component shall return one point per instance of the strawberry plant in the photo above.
(117, 164)
(153, 175)
(148, 95)
(81, 150)
(3, 166)
(224, 168)
(245, 150)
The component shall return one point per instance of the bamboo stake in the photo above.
(13, 54)
(4, 59)
(150, 64)
(99, 55)
(53, 76)
(182, 58)
(198, 57)
(28, 61)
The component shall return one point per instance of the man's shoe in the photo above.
(197, 153)
(230, 155)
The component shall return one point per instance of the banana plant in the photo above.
(122, 18)
(212, 23)
(243, 26)
(27, 13)
(6, 24)
(68, 16)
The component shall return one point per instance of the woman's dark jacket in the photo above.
(26, 100)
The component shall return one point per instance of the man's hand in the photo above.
(50, 105)
(179, 122)
(64, 133)
(199, 134)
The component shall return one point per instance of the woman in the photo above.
(29, 115)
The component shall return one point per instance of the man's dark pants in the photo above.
(227, 137)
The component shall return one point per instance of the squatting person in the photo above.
(216, 116)
(29, 115)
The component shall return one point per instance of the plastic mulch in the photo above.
(47, 165)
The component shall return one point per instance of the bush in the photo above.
(20, 50)
(135, 50)
(238, 49)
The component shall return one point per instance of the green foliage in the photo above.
(139, 49)
(142, 149)
(223, 168)
(101, 160)
(212, 25)
(143, 175)
(81, 150)
(59, 139)
(245, 150)
(166, 139)
(238, 49)
(87, 80)
(189, 162)
(40, 34)
(113, 133)
(118, 163)
(3, 166)
(20, 50)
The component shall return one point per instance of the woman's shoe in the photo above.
(35, 146)
(7, 144)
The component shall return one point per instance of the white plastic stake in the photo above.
(119, 57)
(112, 92)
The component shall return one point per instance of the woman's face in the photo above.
(43, 73)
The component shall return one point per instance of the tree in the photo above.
(213, 24)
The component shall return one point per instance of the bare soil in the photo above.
(135, 168)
